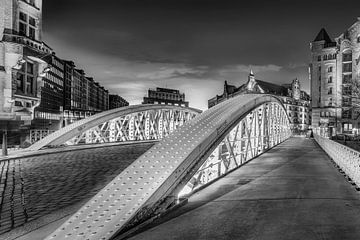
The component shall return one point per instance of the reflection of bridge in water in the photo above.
(199, 150)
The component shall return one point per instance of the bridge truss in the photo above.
(138, 126)
(133, 123)
(208, 146)
(260, 130)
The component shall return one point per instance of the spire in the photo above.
(251, 81)
(323, 36)
(251, 72)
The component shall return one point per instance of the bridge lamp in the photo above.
(43, 73)
(19, 64)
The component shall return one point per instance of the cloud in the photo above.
(241, 68)
(297, 65)
(171, 71)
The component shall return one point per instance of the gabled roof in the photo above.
(323, 36)
(229, 89)
(272, 88)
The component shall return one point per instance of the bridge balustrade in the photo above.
(346, 158)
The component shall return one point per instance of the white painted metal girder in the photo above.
(159, 172)
(126, 124)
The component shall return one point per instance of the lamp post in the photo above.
(4, 143)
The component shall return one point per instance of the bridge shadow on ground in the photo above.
(274, 196)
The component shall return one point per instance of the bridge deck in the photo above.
(291, 192)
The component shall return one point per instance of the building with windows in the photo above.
(48, 115)
(165, 96)
(116, 101)
(82, 96)
(333, 68)
(296, 101)
(22, 64)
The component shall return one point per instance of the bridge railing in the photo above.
(346, 158)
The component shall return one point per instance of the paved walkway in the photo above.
(291, 192)
(32, 187)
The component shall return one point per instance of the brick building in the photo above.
(48, 115)
(165, 96)
(82, 96)
(21, 63)
(115, 101)
(334, 65)
(296, 101)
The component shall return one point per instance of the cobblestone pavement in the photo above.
(32, 187)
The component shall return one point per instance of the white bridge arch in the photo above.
(133, 123)
(247, 125)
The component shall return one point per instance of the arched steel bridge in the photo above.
(133, 123)
(206, 147)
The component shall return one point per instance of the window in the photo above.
(19, 83)
(319, 58)
(319, 68)
(330, 69)
(347, 56)
(347, 67)
(22, 29)
(23, 17)
(325, 57)
(330, 101)
(27, 25)
(358, 39)
(32, 21)
(330, 91)
(330, 79)
(25, 79)
(18, 104)
(347, 78)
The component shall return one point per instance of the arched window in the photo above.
(330, 57)
(325, 57)
(330, 69)
(330, 80)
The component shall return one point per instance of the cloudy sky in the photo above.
(192, 45)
